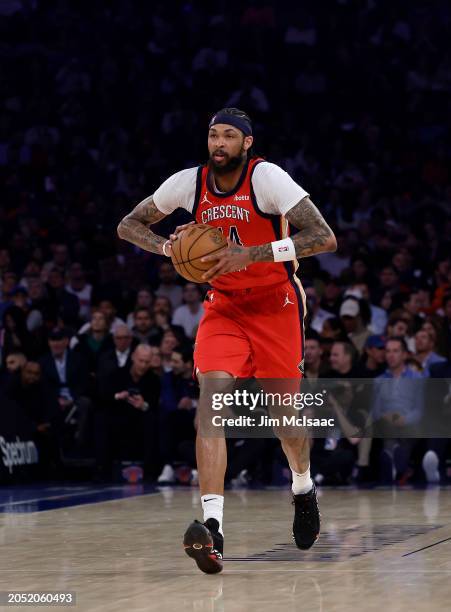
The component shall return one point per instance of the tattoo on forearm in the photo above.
(262, 252)
(314, 235)
(134, 226)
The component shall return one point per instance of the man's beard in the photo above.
(232, 163)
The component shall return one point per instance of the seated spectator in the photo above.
(162, 314)
(342, 359)
(388, 283)
(82, 290)
(15, 336)
(19, 297)
(179, 394)
(96, 340)
(62, 306)
(411, 303)
(331, 298)
(190, 313)
(398, 327)
(120, 355)
(109, 310)
(27, 389)
(353, 320)
(378, 320)
(9, 282)
(144, 299)
(333, 331)
(168, 343)
(395, 409)
(156, 365)
(65, 376)
(60, 259)
(372, 362)
(316, 315)
(132, 407)
(313, 363)
(424, 350)
(144, 329)
(168, 286)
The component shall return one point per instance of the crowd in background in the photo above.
(100, 105)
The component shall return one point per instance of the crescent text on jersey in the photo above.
(224, 211)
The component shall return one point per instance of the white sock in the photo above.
(302, 483)
(212, 505)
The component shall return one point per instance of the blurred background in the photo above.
(101, 102)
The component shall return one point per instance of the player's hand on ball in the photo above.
(167, 246)
(231, 259)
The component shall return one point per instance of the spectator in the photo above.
(144, 299)
(96, 340)
(396, 408)
(107, 308)
(155, 361)
(190, 313)
(313, 355)
(342, 359)
(331, 298)
(25, 387)
(424, 350)
(168, 343)
(65, 377)
(372, 362)
(315, 313)
(132, 411)
(179, 394)
(144, 329)
(63, 306)
(411, 303)
(398, 327)
(82, 290)
(120, 356)
(15, 336)
(351, 316)
(168, 287)
(60, 259)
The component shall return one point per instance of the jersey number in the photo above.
(233, 234)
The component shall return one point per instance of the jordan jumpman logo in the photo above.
(287, 301)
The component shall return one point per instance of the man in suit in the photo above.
(117, 358)
(65, 377)
(131, 402)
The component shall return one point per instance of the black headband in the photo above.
(241, 123)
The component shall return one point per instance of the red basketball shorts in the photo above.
(257, 332)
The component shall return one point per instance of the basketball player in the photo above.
(253, 321)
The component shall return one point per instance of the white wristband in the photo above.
(283, 250)
(163, 248)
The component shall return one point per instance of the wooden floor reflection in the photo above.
(379, 550)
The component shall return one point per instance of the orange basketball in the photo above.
(192, 244)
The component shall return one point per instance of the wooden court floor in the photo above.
(380, 550)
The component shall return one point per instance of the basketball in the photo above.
(192, 244)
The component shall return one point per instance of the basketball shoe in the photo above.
(307, 519)
(204, 543)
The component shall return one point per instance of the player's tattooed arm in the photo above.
(134, 227)
(314, 235)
